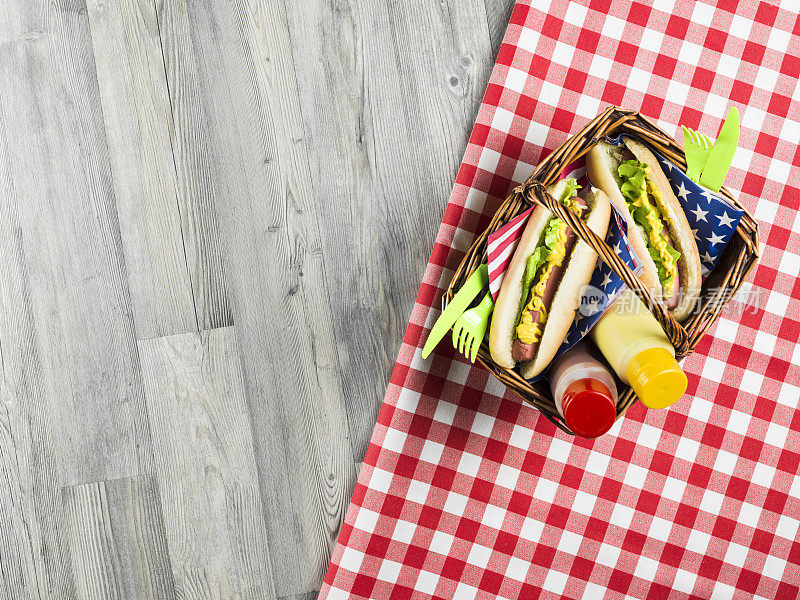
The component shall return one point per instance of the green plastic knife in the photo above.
(719, 161)
(456, 308)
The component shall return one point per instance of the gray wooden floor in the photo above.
(214, 217)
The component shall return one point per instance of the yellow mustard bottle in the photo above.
(636, 347)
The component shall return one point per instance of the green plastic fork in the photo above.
(470, 328)
(697, 147)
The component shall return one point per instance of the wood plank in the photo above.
(80, 308)
(206, 466)
(136, 111)
(386, 129)
(274, 269)
(197, 194)
(117, 539)
(34, 557)
(498, 13)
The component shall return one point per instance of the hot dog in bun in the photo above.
(657, 227)
(544, 282)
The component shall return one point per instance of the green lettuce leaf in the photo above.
(632, 173)
(570, 190)
(552, 231)
(634, 178)
(536, 260)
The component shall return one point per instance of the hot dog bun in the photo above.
(567, 297)
(602, 163)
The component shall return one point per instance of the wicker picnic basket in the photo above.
(738, 259)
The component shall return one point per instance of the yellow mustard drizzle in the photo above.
(529, 332)
(656, 239)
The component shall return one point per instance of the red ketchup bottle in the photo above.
(584, 391)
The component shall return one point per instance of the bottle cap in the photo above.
(589, 408)
(656, 378)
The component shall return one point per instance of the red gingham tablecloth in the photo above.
(465, 491)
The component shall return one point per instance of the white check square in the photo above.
(489, 160)
(766, 78)
(659, 529)
(395, 440)
(690, 53)
(403, 531)
(712, 502)
(702, 13)
(469, 464)
(418, 491)
(545, 490)
(550, 93)
(613, 27)
(673, 489)
(366, 519)
(713, 369)
(787, 527)
(351, 559)
(467, 592)
(751, 382)
(562, 54)
(380, 480)
(723, 591)
(635, 476)
(790, 264)
(389, 571)
(639, 80)
(479, 556)
(426, 582)
(652, 41)
(779, 39)
(779, 171)
(570, 542)
(576, 14)
(597, 463)
(528, 39)
(776, 435)
(531, 529)
(687, 448)
(728, 66)
(763, 475)
(601, 67)
(502, 119)
(765, 342)
(698, 541)
(455, 503)
(608, 555)
(646, 568)
(789, 394)
(493, 516)
(725, 462)
(537, 133)
(482, 424)
(777, 303)
(516, 79)
(517, 569)
(749, 515)
(774, 567)
(445, 411)
(684, 581)
(431, 452)
(622, 516)
(441, 542)
(555, 581)
(740, 27)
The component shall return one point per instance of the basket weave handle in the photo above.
(535, 192)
